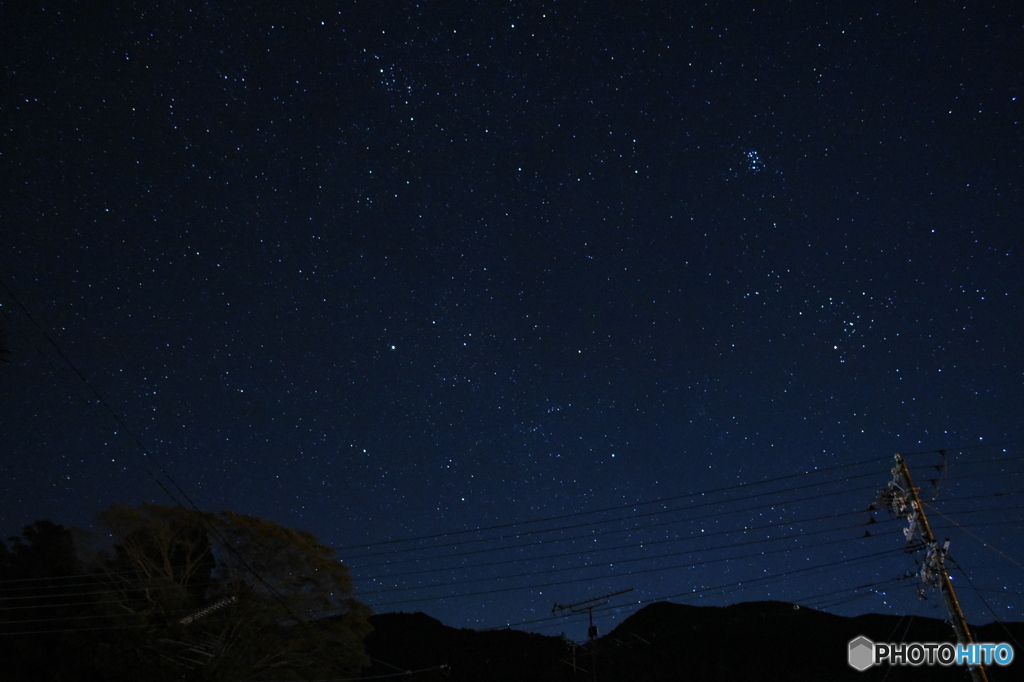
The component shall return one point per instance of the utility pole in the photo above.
(901, 497)
(588, 605)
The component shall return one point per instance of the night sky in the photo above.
(518, 304)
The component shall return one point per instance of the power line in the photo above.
(88, 617)
(557, 583)
(977, 446)
(587, 566)
(636, 559)
(606, 509)
(53, 631)
(983, 542)
(709, 503)
(689, 538)
(613, 548)
(633, 505)
(111, 591)
(58, 577)
(603, 533)
(983, 600)
(643, 543)
(733, 585)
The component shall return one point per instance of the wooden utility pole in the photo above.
(901, 496)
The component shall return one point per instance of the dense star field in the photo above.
(522, 304)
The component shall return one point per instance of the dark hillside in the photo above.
(765, 640)
(415, 641)
(756, 641)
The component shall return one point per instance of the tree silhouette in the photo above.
(44, 593)
(227, 596)
(43, 550)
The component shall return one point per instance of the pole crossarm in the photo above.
(581, 606)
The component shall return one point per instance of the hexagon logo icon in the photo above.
(861, 653)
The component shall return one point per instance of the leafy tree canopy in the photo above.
(179, 595)
(231, 595)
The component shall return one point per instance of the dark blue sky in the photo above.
(388, 275)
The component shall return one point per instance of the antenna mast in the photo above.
(589, 605)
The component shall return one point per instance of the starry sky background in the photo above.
(649, 293)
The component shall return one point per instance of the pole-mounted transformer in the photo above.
(901, 497)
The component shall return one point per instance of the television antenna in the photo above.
(588, 605)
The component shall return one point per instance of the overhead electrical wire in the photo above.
(711, 503)
(393, 551)
(580, 567)
(112, 590)
(618, 561)
(817, 470)
(686, 538)
(35, 581)
(546, 585)
(642, 543)
(722, 587)
(977, 446)
(984, 543)
(988, 606)
(816, 600)
(586, 536)
(619, 507)
(561, 582)
(648, 543)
